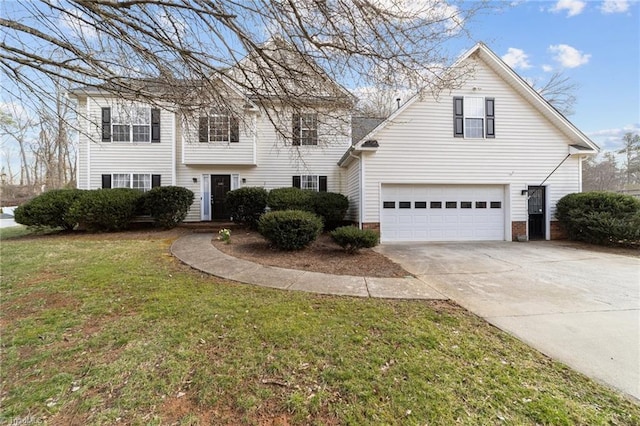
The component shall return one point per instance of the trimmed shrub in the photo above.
(168, 205)
(600, 217)
(352, 239)
(246, 204)
(291, 199)
(290, 229)
(49, 209)
(331, 207)
(106, 209)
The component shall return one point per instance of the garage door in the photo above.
(442, 212)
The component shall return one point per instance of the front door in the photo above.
(220, 185)
(537, 202)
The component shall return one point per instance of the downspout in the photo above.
(360, 189)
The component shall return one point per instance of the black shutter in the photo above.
(155, 125)
(296, 129)
(234, 129)
(296, 182)
(106, 181)
(489, 108)
(203, 129)
(155, 181)
(458, 117)
(322, 183)
(106, 124)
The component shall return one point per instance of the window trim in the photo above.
(298, 130)
(321, 181)
(228, 120)
(461, 115)
(122, 109)
(153, 180)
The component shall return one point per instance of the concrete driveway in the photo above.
(577, 306)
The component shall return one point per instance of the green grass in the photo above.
(99, 330)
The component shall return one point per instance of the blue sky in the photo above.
(595, 43)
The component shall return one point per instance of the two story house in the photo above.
(487, 160)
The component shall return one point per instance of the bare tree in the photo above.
(179, 50)
(601, 173)
(18, 127)
(559, 91)
(631, 152)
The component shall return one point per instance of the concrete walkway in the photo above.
(197, 251)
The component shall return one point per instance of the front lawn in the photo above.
(112, 330)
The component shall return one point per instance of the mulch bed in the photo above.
(323, 255)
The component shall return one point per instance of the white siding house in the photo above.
(487, 160)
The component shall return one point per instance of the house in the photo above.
(486, 160)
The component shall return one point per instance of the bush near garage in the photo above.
(290, 229)
(49, 209)
(106, 209)
(291, 199)
(352, 239)
(331, 207)
(168, 205)
(604, 218)
(247, 204)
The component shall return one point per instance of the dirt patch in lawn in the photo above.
(323, 255)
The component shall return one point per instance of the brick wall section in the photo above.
(518, 228)
(557, 231)
(372, 225)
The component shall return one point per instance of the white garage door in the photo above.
(442, 212)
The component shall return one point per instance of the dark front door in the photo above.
(537, 196)
(220, 185)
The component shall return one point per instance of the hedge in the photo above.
(352, 239)
(331, 207)
(290, 229)
(600, 217)
(168, 205)
(291, 199)
(49, 209)
(106, 209)
(246, 204)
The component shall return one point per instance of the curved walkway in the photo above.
(197, 251)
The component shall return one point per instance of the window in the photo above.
(420, 204)
(465, 204)
(451, 204)
(312, 182)
(389, 205)
(404, 204)
(435, 204)
(130, 123)
(473, 117)
(218, 127)
(141, 181)
(305, 129)
(495, 205)
(481, 204)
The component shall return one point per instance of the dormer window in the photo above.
(474, 117)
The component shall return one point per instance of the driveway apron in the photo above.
(577, 306)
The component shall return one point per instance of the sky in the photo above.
(594, 43)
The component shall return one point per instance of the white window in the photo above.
(218, 127)
(309, 182)
(131, 123)
(305, 129)
(474, 117)
(141, 181)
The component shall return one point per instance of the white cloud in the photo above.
(611, 139)
(429, 10)
(573, 7)
(77, 23)
(614, 6)
(516, 58)
(547, 68)
(569, 57)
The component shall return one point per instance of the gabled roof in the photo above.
(578, 138)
